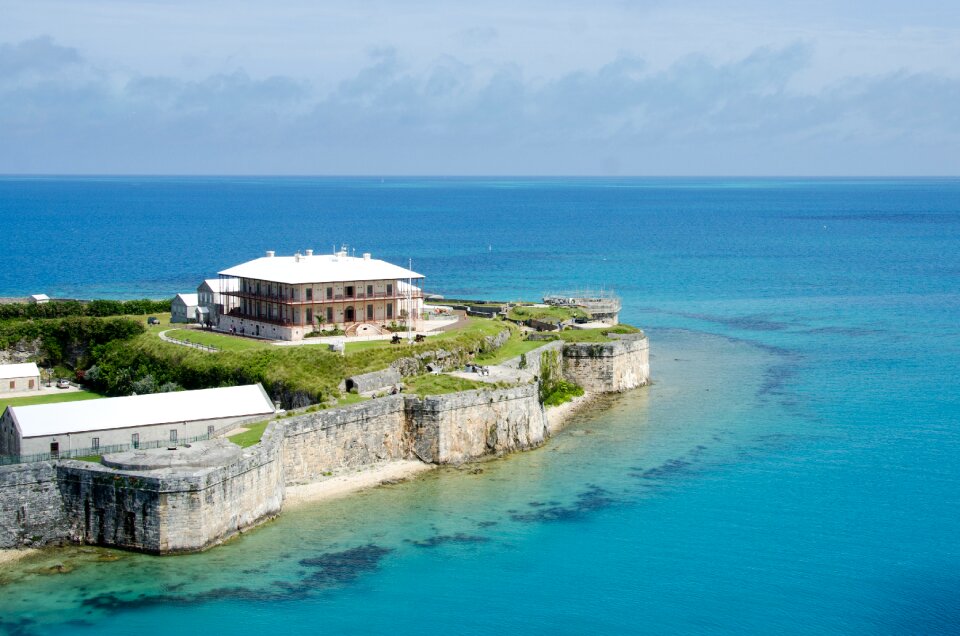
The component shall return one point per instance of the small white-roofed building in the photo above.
(66, 428)
(16, 378)
(287, 297)
(183, 308)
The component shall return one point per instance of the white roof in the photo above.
(221, 284)
(190, 300)
(319, 268)
(22, 370)
(39, 297)
(141, 410)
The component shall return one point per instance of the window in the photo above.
(329, 293)
(369, 290)
(369, 312)
(95, 443)
(173, 435)
(389, 310)
(329, 314)
(309, 293)
(210, 430)
(389, 289)
(135, 440)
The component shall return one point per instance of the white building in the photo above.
(39, 299)
(183, 308)
(15, 378)
(66, 428)
(211, 302)
(286, 297)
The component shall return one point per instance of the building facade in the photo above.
(17, 378)
(288, 297)
(211, 302)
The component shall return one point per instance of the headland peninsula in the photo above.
(109, 445)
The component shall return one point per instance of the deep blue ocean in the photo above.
(794, 468)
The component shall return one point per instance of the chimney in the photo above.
(270, 253)
(366, 256)
(309, 252)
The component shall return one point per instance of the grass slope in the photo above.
(221, 342)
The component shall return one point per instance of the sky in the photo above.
(608, 87)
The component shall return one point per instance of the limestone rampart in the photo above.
(457, 427)
(318, 444)
(31, 510)
(608, 367)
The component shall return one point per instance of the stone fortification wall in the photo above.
(205, 508)
(608, 367)
(173, 510)
(316, 444)
(109, 507)
(453, 428)
(31, 510)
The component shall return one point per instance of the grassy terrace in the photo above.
(511, 349)
(51, 398)
(430, 384)
(250, 436)
(223, 342)
(545, 314)
(309, 369)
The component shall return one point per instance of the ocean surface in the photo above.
(794, 468)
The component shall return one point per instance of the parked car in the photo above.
(153, 320)
(63, 383)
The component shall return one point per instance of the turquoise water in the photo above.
(794, 468)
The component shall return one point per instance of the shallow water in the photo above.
(794, 467)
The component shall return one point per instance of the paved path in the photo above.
(183, 343)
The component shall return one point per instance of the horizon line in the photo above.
(469, 176)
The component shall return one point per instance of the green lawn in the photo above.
(511, 349)
(251, 436)
(430, 384)
(595, 335)
(545, 314)
(364, 345)
(221, 341)
(350, 398)
(49, 398)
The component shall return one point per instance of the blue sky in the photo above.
(559, 87)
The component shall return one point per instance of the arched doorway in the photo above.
(348, 315)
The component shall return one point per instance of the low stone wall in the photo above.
(373, 381)
(608, 367)
(453, 428)
(316, 444)
(534, 357)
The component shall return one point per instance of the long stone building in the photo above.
(287, 297)
(66, 429)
